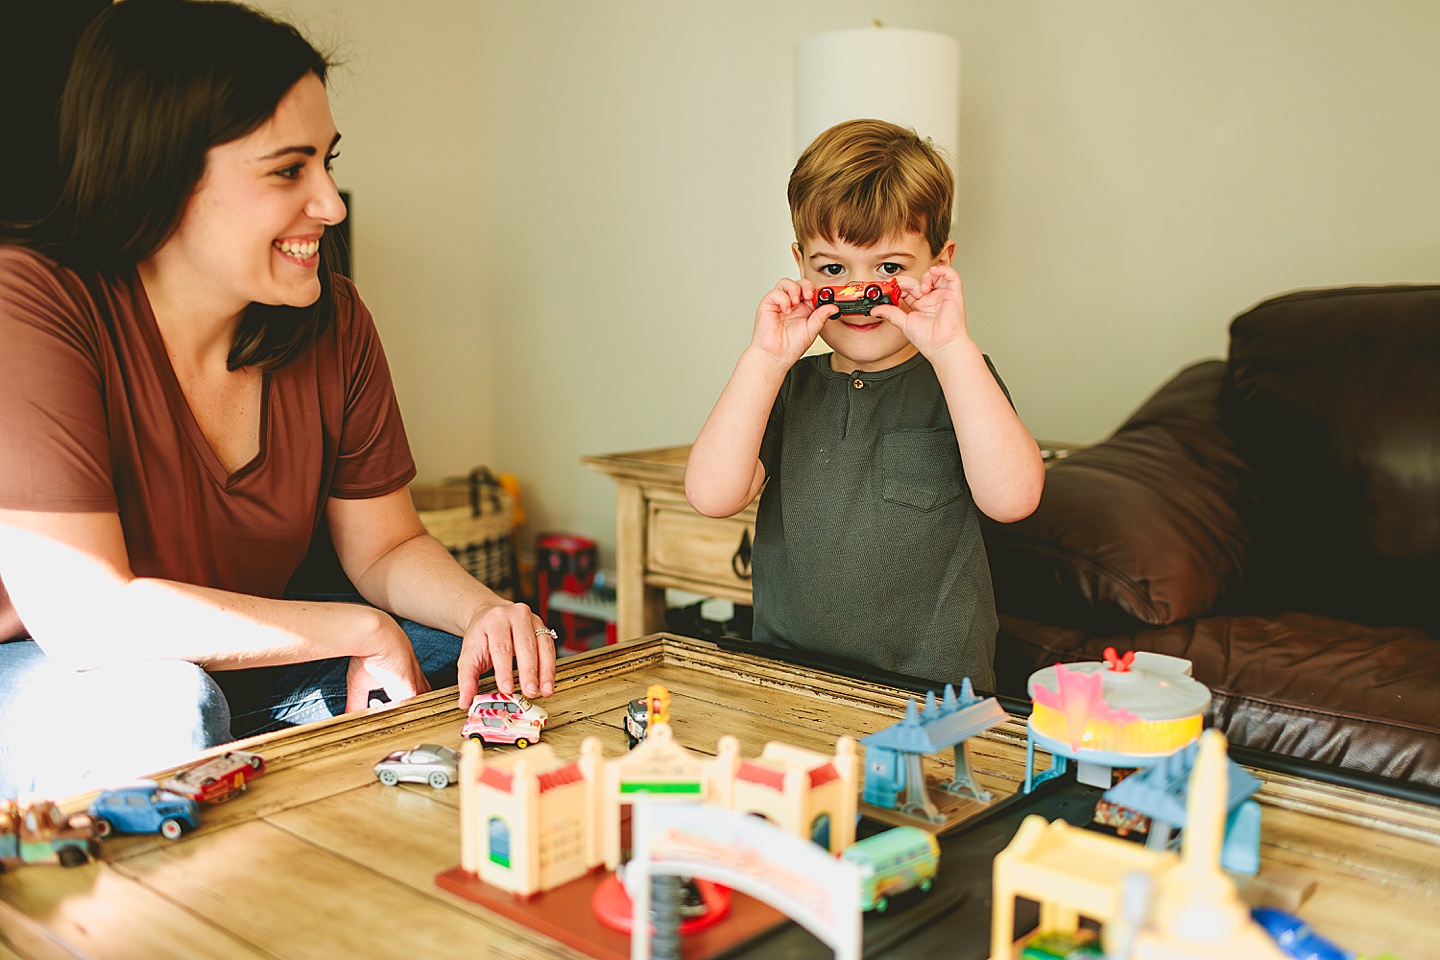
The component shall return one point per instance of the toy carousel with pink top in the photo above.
(1123, 713)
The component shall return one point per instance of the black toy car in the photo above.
(636, 719)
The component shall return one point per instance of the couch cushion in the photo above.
(1297, 684)
(1333, 399)
(1142, 528)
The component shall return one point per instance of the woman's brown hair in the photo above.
(153, 86)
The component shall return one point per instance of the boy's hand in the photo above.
(934, 313)
(786, 324)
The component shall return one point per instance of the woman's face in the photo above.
(252, 229)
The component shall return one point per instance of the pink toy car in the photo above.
(858, 297)
(504, 718)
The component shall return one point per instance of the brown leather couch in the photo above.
(1275, 519)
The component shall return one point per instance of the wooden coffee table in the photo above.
(318, 859)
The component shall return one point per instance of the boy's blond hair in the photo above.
(862, 181)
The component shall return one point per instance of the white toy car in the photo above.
(427, 763)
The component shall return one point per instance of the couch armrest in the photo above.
(1145, 526)
(1333, 399)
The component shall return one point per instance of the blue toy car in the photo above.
(143, 808)
(1295, 938)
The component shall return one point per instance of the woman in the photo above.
(187, 392)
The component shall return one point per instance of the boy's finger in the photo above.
(945, 277)
(891, 314)
(912, 289)
(776, 300)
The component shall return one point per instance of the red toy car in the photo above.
(217, 779)
(858, 297)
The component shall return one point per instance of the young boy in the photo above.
(878, 455)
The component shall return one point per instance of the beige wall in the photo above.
(565, 212)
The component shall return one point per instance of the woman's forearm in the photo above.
(419, 579)
(220, 630)
(74, 591)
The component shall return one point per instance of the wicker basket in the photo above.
(474, 518)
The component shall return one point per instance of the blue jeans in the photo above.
(63, 731)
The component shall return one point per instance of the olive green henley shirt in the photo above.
(867, 540)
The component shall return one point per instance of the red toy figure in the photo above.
(1117, 663)
(565, 563)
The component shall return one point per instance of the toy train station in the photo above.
(531, 822)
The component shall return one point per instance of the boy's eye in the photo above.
(831, 269)
(891, 269)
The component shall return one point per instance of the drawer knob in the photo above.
(740, 561)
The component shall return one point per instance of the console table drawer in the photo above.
(698, 550)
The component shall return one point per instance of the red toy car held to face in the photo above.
(858, 297)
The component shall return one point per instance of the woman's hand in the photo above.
(397, 566)
(391, 666)
(933, 317)
(503, 634)
(787, 323)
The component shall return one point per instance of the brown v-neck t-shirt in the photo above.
(92, 419)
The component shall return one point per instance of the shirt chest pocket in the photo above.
(920, 468)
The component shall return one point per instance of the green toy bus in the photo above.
(892, 862)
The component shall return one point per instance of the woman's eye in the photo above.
(289, 173)
(330, 160)
(831, 269)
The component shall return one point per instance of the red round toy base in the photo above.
(612, 906)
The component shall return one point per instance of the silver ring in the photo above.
(540, 632)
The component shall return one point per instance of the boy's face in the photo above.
(861, 342)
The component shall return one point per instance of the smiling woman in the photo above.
(253, 224)
(188, 392)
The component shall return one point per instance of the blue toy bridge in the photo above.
(1161, 792)
(892, 755)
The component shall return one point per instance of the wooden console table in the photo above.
(661, 542)
(319, 859)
